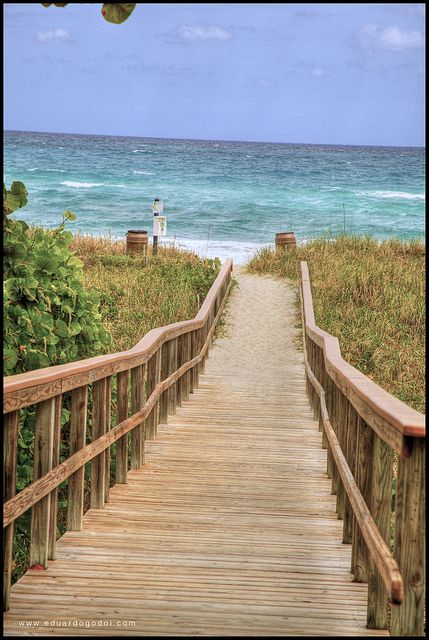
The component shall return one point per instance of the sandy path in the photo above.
(258, 346)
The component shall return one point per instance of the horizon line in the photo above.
(109, 135)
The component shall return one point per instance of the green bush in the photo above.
(49, 318)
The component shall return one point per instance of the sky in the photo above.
(295, 73)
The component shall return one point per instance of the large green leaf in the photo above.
(117, 13)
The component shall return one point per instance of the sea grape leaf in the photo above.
(117, 13)
(61, 329)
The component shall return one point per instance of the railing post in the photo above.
(107, 429)
(54, 494)
(187, 357)
(381, 510)
(137, 403)
(341, 431)
(43, 449)
(330, 467)
(10, 447)
(352, 422)
(409, 552)
(78, 417)
(363, 477)
(163, 402)
(180, 385)
(151, 382)
(98, 465)
(172, 367)
(121, 415)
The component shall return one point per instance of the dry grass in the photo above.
(138, 293)
(370, 295)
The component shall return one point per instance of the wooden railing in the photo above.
(362, 426)
(153, 378)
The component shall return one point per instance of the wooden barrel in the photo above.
(136, 241)
(285, 240)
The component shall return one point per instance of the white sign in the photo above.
(160, 226)
(157, 207)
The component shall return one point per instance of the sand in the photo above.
(258, 345)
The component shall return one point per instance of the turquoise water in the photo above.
(220, 198)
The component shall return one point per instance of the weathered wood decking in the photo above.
(230, 527)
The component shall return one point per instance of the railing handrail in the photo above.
(52, 381)
(402, 418)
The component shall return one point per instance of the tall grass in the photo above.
(137, 292)
(371, 296)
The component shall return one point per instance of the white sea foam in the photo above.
(146, 173)
(82, 185)
(33, 169)
(399, 194)
(140, 150)
(240, 252)
(403, 195)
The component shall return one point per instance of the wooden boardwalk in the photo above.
(230, 527)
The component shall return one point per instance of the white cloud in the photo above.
(390, 38)
(57, 35)
(203, 33)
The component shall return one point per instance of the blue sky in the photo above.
(303, 73)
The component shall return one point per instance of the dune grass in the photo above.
(137, 292)
(371, 296)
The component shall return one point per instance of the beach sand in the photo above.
(258, 345)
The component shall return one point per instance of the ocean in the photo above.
(221, 199)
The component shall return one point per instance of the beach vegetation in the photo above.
(371, 296)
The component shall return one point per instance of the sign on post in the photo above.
(160, 226)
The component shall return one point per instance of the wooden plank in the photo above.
(10, 448)
(408, 620)
(363, 474)
(43, 450)
(78, 420)
(53, 513)
(171, 368)
(163, 401)
(137, 403)
(122, 414)
(381, 511)
(98, 465)
(151, 381)
(108, 403)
